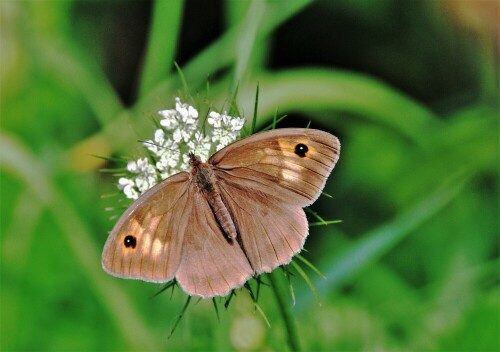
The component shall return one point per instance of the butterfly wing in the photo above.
(265, 180)
(211, 264)
(290, 164)
(270, 231)
(146, 243)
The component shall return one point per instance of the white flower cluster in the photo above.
(145, 179)
(180, 134)
(226, 128)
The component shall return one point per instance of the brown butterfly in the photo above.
(238, 215)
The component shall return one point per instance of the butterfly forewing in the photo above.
(292, 164)
(146, 243)
(265, 180)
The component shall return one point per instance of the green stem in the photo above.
(162, 43)
(280, 292)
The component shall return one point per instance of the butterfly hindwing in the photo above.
(271, 232)
(211, 265)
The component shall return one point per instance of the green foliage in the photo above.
(413, 265)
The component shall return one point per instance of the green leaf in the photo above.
(255, 110)
(310, 265)
(186, 305)
(308, 281)
(162, 43)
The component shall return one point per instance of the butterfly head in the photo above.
(194, 160)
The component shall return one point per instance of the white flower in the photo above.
(180, 134)
(200, 146)
(167, 153)
(169, 121)
(226, 128)
(187, 111)
(128, 188)
(145, 178)
(215, 119)
(183, 121)
(156, 145)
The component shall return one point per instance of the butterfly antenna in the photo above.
(150, 142)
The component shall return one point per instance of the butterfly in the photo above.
(238, 215)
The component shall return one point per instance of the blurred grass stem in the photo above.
(280, 290)
(20, 161)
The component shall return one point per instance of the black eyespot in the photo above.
(130, 241)
(301, 150)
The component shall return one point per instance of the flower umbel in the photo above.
(179, 134)
(145, 177)
(183, 121)
(226, 128)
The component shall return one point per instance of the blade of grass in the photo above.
(186, 305)
(183, 78)
(323, 193)
(316, 215)
(69, 60)
(250, 291)
(17, 236)
(114, 170)
(216, 308)
(324, 222)
(273, 125)
(162, 43)
(246, 39)
(277, 283)
(229, 298)
(310, 265)
(257, 294)
(261, 312)
(164, 288)
(275, 122)
(290, 286)
(110, 158)
(308, 281)
(233, 107)
(255, 110)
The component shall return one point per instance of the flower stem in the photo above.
(280, 292)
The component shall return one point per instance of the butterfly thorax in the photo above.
(201, 174)
(203, 177)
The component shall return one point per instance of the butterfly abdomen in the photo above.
(222, 214)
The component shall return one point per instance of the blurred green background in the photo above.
(409, 87)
